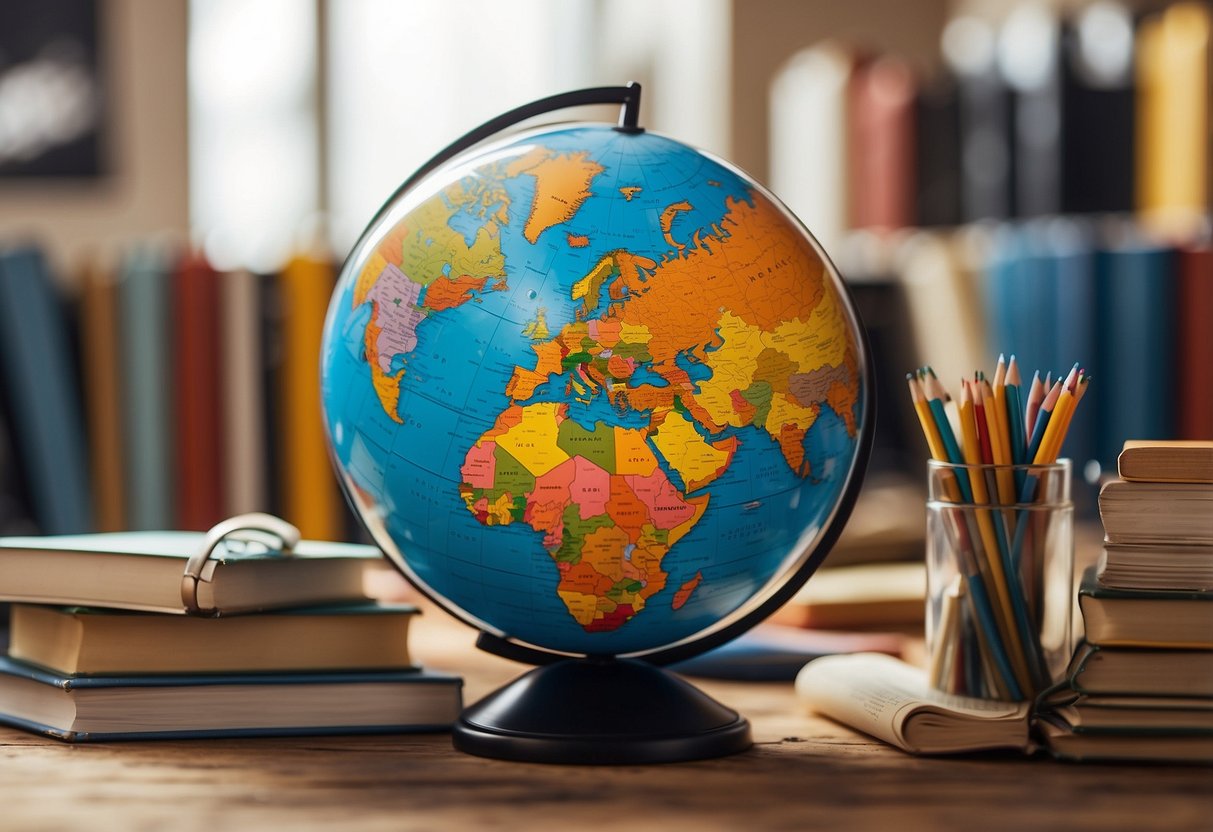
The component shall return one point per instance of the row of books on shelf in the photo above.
(1043, 113)
(1132, 309)
(1140, 684)
(101, 646)
(162, 394)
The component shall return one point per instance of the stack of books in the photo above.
(1141, 686)
(146, 635)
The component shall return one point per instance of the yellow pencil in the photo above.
(995, 405)
(929, 429)
(1050, 445)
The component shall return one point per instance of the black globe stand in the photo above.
(600, 711)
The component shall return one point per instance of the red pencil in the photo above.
(983, 429)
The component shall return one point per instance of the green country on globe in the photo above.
(596, 391)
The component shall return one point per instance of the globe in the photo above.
(594, 391)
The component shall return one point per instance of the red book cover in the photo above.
(880, 112)
(1194, 345)
(196, 395)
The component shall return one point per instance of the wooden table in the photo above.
(803, 773)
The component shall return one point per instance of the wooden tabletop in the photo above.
(802, 773)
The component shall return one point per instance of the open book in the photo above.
(893, 701)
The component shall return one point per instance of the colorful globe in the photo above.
(596, 392)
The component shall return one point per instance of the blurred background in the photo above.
(180, 180)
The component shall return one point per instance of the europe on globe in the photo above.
(595, 391)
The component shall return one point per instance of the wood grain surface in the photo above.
(803, 773)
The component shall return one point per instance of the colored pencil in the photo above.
(1042, 422)
(1015, 414)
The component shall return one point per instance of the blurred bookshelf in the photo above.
(1041, 189)
(1028, 178)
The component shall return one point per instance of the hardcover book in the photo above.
(1158, 566)
(77, 641)
(1145, 618)
(1137, 672)
(144, 571)
(1176, 460)
(1139, 714)
(100, 708)
(1166, 513)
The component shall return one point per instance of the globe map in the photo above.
(594, 390)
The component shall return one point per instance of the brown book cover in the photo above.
(103, 396)
(1194, 353)
(1167, 460)
(197, 395)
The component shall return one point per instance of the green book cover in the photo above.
(1145, 618)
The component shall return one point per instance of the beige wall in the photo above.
(145, 192)
(766, 33)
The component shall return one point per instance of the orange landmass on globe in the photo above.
(386, 385)
(577, 240)
(630, 191)
(667, 221)
(686, 590)
(449, 292)
(562, 184)
(760, 271)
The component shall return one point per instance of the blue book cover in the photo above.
(1071, 253)
(1136, 353)
(41, 386)
(1020, 306)
(143, 304)
(83, 709)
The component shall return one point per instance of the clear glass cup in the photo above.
(1000, 578)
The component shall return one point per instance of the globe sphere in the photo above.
(595, 392)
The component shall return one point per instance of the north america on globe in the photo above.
(626, 342)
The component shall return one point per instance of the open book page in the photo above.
(892, 701)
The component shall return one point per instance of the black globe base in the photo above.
(600, 712)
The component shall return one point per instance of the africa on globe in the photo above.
(594, 391)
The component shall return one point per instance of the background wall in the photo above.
(145, 192)
(766, 33)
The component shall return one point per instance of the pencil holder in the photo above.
(1000, 574)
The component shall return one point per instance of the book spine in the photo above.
(40, 376)
(1173, 117)
(1136, 348)
(1029, 60)
(197, 395)
(1099, 98)
(937, 154)
(1194, 343)
(103, 397)
(808, 144)
(880, 107)
(309, 490)
(145, 352)
(243, 394)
